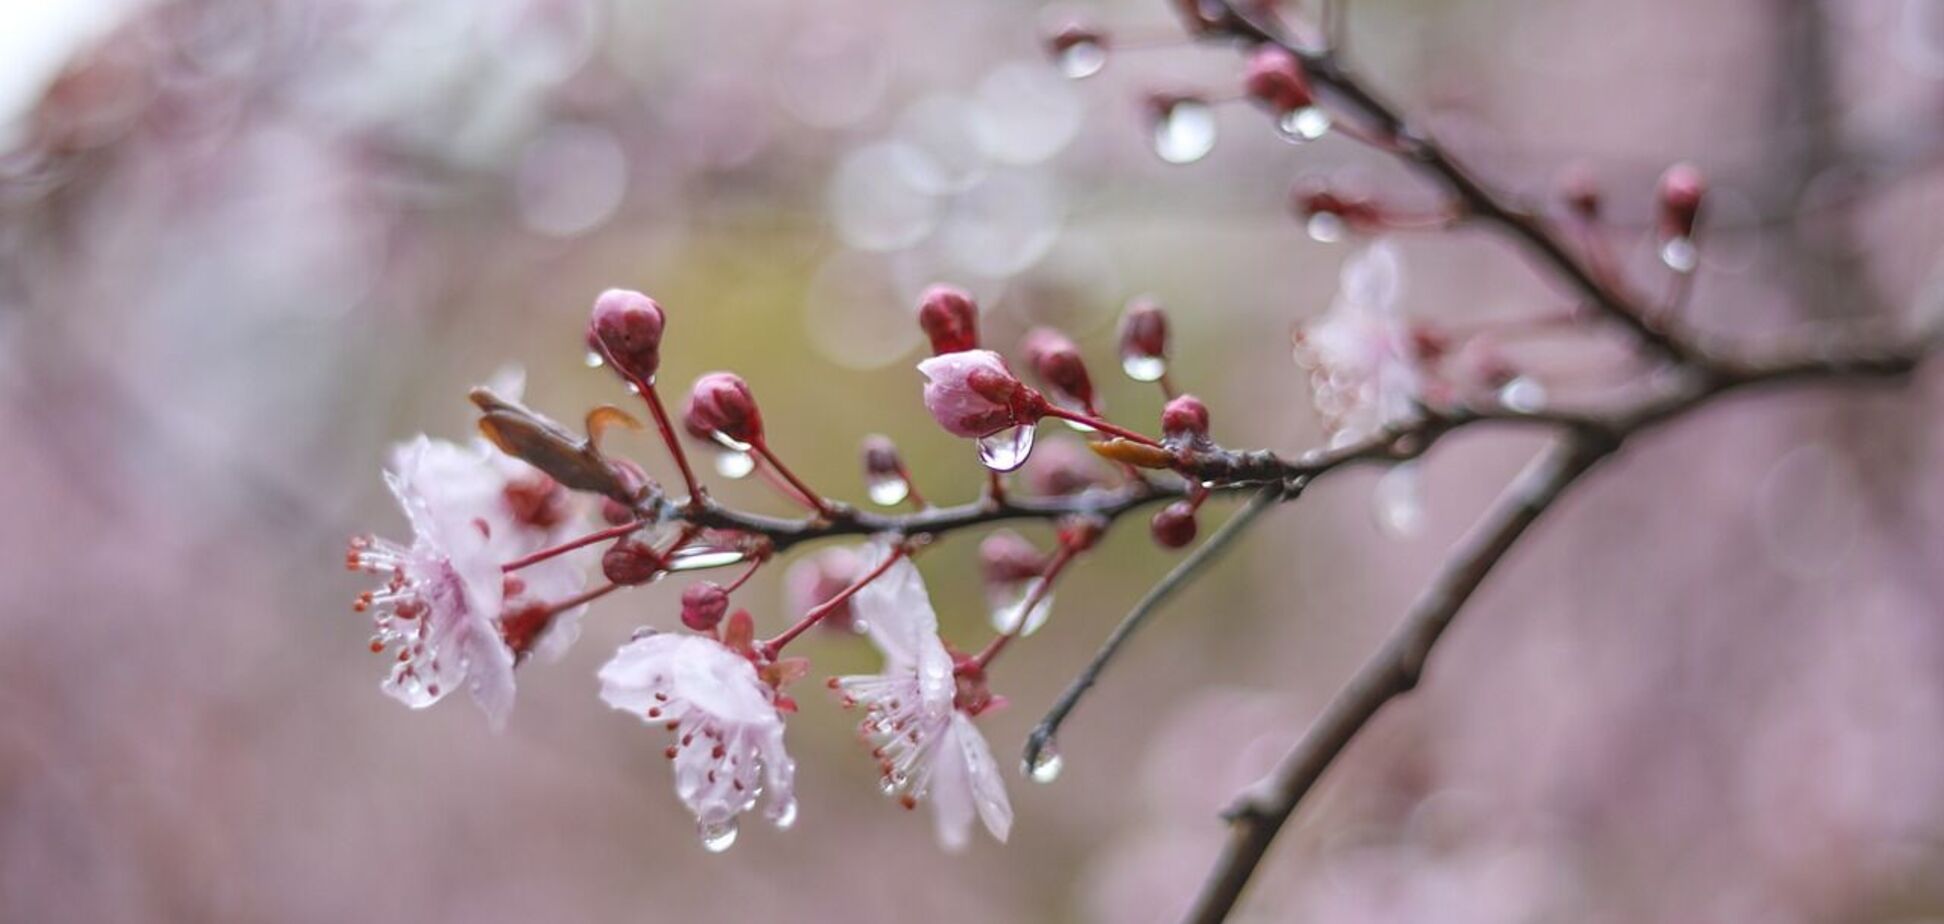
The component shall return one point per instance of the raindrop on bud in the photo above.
(1006, 449)
(1046, 765)
(1183, 127)
(734, 463)
(887, 490)
(1144, 341)
(593, 359)
(717, 838)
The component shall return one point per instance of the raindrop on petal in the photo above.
(1184, 132)
(1306, 124)
(1006, 449)
(717, 838)
(1680, 254)
(731, 463)
(887, 490)
(1046, 764)
(1144, 368)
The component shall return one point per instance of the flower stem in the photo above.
(744, 578)
(674, 445)
(612, 532)
(1041, 587)
(814, 499)
(1101, 425)
(774, 646)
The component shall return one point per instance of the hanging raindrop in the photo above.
(1184, 131)
(1144, 368)
(887, 490)
(1007, 449)
(1680, 254)
(699, 557)
(594, 359)
(1305, 124)
(1046, 764)
(734, 465)
(1325, 227)
(1009, 616)
(717, 838)
(1523, 394)
(1081, 59)
(1398, 501)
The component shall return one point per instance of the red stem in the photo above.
(587, 596)
(674, 445)
(911, 488)
(774, 646)
(612, 532)
(1041, 588)
(744, 579)
(815, 500)
(1101, 425)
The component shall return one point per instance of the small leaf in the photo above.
(1138, 455)
(571, 460)
(606, 416)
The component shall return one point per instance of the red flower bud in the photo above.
(881, 457)
(626, 327)
(1144, 331)
(1060, 467)
(1174, 526)
(950, 318)
(972, 393)
(1275, 80)
(720, 403)
(703, 605)
(1185, 419)
(1681, 189)
(1057, 362)
(631, 561)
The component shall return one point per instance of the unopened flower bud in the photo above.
(881, 457)
(1005, 557)
(720, 404)
(950, 319)
(1682, 188)
(1144, 340)
(626, 327)
(1057, 362)
(1275, 80)
(631, 561)
(1185, 419)
(1061, 467)
(1174, 526)
(972, 393)
(703, 605)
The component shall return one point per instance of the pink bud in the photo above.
(1681, 189)
(1144, 330)
(626, 326)
(630, 562)
(1174, 526)
(721, 403)
(703, 605)
(1057, 362)
(1063, 466)
(1005, 557)
(1185, 419)
(881, 457)
(950, 318)
(971, 393)
(817, 579)
(1275, 80)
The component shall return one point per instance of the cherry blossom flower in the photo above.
(972, 393)
(729, 733)
(921, 728)
(1362, 360)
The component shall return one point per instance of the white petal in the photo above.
(988, 787)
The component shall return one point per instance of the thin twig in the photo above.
(1189, 568)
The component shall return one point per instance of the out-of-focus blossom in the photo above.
(926, 745)
(729, 734)
(1361, 358)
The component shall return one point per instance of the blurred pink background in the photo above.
(247, 244)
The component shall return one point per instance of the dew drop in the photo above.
(1680, 254)
(1185, 131)
(887, 490)
(1325, 227)
(784, 815)
(1398, 501)
(594, 360)
(733, 464)
(696, 558)
(1144, 368)
(1006, 449)
(1523, 394)
(1081, 60)
(1306, 124)
(717, 838)
(1046, 765)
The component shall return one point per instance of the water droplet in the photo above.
(717, 838)
(730, 463)
(1523, 394)
(1184, 132)
(698, 557)
(1006, 449)
(784, 814)
(1325, 227)
(1081, 60)
(1046, 765)
(594, 359)
(1680, 254)
(859, 626)
(1010, 616)
(1144, 368)
(1398, 501)
(723, 440)
(887, 490)
(1306, 124)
